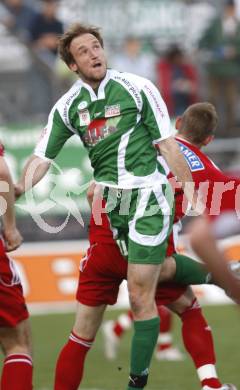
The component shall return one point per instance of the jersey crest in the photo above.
(84, 117)
(111, 111)
(194, 162)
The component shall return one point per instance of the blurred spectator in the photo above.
(222, 44)
(44, 35)
(17, 17)
(132, 59)
(177, 80)
(45, 31)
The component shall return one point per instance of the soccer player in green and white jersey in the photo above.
(123, 122)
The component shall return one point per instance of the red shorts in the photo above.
(103, 270)
(12, 303)
(168, 293)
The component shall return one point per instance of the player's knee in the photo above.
(135, 301)
(11, 345)
(141, 301)
(16, 339)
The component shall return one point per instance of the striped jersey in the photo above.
(119, 125)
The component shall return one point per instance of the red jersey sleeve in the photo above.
(1, 150)
(218, 190)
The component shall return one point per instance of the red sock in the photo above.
(17, 372)
(198, 341)
(165, 337)
(70, 363)
(124, 322)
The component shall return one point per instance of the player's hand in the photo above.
(198, 206)
(12, 238)
(18, 190)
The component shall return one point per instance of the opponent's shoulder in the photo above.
(195, 158)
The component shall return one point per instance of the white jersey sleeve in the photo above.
(154, 113)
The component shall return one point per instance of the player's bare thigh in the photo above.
(16, 339)
(88, 319)
(168, 270)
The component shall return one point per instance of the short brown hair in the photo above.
(74, 31)
(198, 122)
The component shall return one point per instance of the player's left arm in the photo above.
(170, 150)
(156, 118)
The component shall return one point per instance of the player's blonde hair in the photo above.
(199, 121)
(74, 31)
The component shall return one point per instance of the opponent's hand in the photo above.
(198, 206)
(12, 238)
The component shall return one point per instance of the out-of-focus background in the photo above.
(189, 49)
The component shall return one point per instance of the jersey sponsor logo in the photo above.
(99, 129)
(112, 110)
(194, 162)
(84, 117)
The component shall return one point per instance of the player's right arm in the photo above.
(34, 170)
(11, 234)
(52, 139)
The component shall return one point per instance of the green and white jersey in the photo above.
(118, 125)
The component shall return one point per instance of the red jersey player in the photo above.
(14, 323)
(101, 273)
(222, 202)
(219, 191)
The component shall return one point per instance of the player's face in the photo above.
(89, 59)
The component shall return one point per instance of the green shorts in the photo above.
(141, 220)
